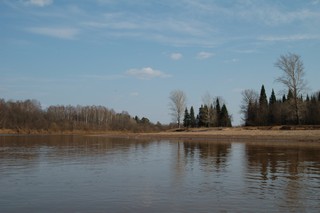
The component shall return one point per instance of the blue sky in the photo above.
(129, 55)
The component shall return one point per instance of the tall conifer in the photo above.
(186, 119)
(192, 118)
(263, 107)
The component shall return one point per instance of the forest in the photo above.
(29, 115)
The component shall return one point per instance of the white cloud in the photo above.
(62, 33)
(289, 38)
(146, 73)
(204, 55)
(39, 3)
(176, 56)
(274, 16)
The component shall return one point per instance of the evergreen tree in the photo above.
(272, 117)
(224, 117)
(284, 99)
(263, 97)
(273, 98)
(218, 112)
(192, 118)
(263, 107)
(186, 119)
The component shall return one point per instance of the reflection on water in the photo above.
(96, 174)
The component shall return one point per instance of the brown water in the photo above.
(96, 174)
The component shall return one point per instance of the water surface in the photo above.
(96, 174)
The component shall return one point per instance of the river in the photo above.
(98, 174)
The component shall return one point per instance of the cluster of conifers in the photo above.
(208, 116)
(288, 110)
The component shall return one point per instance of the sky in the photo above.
(129, 55)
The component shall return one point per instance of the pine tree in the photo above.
(186, 119)
(218, 112)
(272, 109)
(273, 98)
(224, 117)
(263, 107)
(284, 99)
(192, 118)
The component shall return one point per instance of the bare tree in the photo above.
(249, 98)
(293, 73)
(177, 105)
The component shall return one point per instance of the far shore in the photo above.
(230, 134)
(276, 133)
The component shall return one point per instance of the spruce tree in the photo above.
(284, 99)
(273, 98)
(224, 117)
(218, 112)
(263, 107)
(192, 118)
(186, 120)
(272, 109)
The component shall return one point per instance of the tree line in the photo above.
(29, 115)
(258, 110)
(210, 114)
(293, 108)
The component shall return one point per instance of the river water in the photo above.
(97, 174)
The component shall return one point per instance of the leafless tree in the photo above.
(293, 78)
(177, 105)
(249, 96)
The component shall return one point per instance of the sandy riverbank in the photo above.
(239, 133)
(297, 134)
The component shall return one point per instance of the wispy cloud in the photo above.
(39, 3)
(102, 77)
(289, 38)
(62, 33)
(146, 73)
(204, 55)
(154, 27)
(176, 56)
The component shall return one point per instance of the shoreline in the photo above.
(231, 134)
(204, 134)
